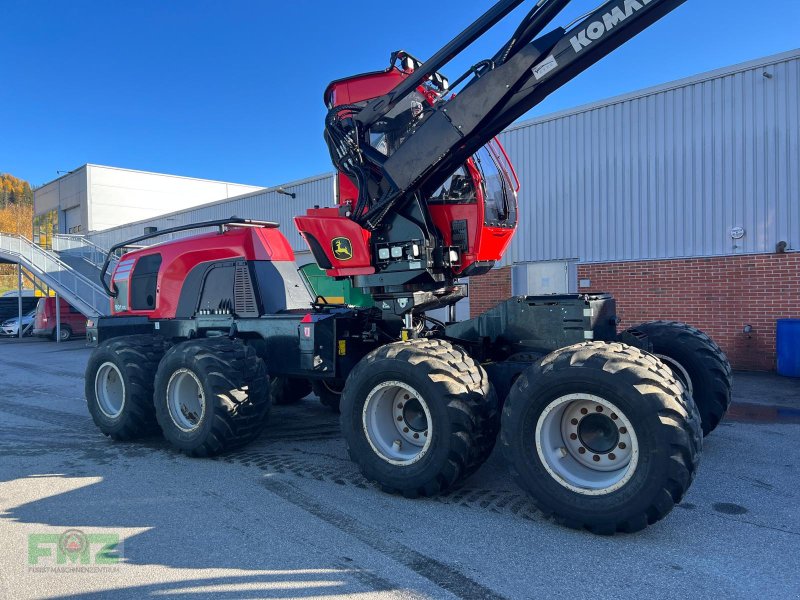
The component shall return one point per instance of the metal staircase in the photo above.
(79, 246)
(82, 293)
(82, 255)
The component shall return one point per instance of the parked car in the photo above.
(10, 327)
(73, 323)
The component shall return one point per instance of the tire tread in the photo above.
(678, 414)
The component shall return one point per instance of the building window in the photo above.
(149, 230)
(45, 226)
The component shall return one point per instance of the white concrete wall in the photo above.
(120, 196)
(64, 193)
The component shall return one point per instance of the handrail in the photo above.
(78, 290)
(221, 223)
(86, 248)
(82, 239)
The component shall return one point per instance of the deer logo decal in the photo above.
(342, 248)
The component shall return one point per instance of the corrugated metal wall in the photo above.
(264, 206)
(665, 172)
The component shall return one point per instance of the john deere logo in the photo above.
(342, 248)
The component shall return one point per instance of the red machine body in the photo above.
(343, 248)
(162, 272)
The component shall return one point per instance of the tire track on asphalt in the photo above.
(50, 416)
(443, 575)
(266, 457)
(344, 473)
(38, 368)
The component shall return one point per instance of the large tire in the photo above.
(489, 415)
(211, 395)
(329, 394)
(119, 385)
(699, 359)
(602, 437)
(430, 383)
(288, 390)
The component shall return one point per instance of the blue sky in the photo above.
(233, 90)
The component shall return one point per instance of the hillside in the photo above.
(16, 216)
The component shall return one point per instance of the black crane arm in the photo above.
(522, 74)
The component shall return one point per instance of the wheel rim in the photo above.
(587, 444)
(680, 373)
(109, 388)
(186, 400)
(64, 334)
(397, 423)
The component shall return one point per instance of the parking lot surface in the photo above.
(290, 516)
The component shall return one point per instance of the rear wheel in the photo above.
(119, 385)
(288, 390)
(698, 363)
(602, 437)
(415, 416)
(329, 393)
(211, 395)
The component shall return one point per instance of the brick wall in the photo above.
(718, 295)
(486, 291)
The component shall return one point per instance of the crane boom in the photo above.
(426, 193)
(455, 128)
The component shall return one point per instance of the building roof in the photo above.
(84, 166)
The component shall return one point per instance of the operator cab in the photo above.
(472, 216)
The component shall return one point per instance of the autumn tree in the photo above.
(16, 216)
(14, 191)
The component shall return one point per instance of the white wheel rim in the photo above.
(681, 374)
(587, 444)
(186, 401)
(397, 423)
(109, 388)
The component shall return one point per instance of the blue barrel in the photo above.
(788, 346)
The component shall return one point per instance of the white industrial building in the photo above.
(95, 197)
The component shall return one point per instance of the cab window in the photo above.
(458, 189)
(500, 206)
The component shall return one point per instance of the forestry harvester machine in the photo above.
(603, 429)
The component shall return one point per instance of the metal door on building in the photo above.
(72, 220)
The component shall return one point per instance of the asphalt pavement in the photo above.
(291, 517)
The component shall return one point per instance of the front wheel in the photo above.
(119, 385)
(416, 415)
(602, 437)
